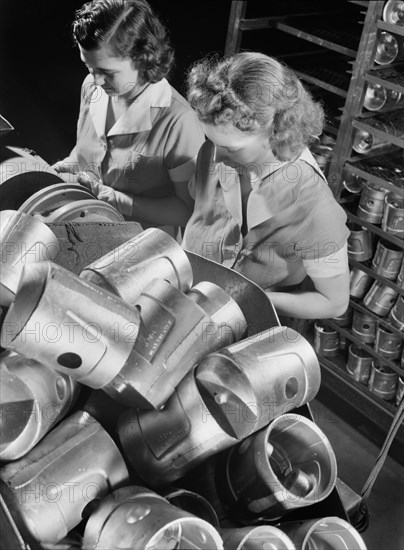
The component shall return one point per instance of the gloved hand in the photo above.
(121, 201)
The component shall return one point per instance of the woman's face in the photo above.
(118, 76)
(236, 147)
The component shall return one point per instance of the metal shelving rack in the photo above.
(350, 85)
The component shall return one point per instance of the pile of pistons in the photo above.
(142, 411)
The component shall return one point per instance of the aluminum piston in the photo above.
(23, 239)
(380, 298)
(371, 203)
(360, 282)
(396, 315)
(128, 269)
(360, 243)
(383, 382)
(70, 325)
(191, 502)
(359, 364)
(288, 465)
(260, 537)
(393, 216)
(388, 344)
(326, 340)
(33, 399)
(332, 533)
(135, 517)
(47, 490)
(364, 326)
(400, 276)
(249, 383)
(164, 445)
(387, 259)
(176, 331)
(400, 390)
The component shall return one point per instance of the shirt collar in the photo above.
(137, 117)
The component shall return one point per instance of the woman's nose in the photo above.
(99, 79)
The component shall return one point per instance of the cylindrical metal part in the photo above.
(396, 315)
(380, 298)
(326, 340)
(128, 269)
(249, 383)
(70, 325)
(400, 390)
(360, 282)
(163, 445)
(360, 243)
(378, 98)
(176, 331)
(332, 533)
(400, 276)
(135, 517)
(33, 399)
(23, 239)
(393, 12)
(387, 49)
(393, 216)
(359, 364)
(48, 489)
(364, 326)
(192, 503)
(388, 344)
(383, 382)
(288, 465)
(387, 259)
(371, 203)
(260, 537)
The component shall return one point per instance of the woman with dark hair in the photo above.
(262, 205)
(137, 137)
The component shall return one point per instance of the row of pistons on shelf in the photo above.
(177, 357)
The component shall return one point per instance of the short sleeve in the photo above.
(183, 143)
(334, 264)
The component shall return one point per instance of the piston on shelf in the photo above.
(400, 390)
(359, 364)
(47, 490)
(396, 314)
(247, 384)
(332, 533)
(393, 12)
(388, 49)
(364, 326)
(257, 537)
(388, 344)
(288, 465)
(380, 298)
(33, 399)
(393, 215)
(24, 239)
(130, 267)
(359, 283)
(326, 340)
(371, 203)
(366, 141)
(387, 259)
(136, 517)
(383, 382)
(176, 331)
(360, 243)
(377, 97)
(164, 445)
(70, 325)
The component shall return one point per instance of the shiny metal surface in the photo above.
(129, 268)
(396, 314)
(23, 239)
(364, 326)
(371, 203)
(262, 537)
(163, 445)
(33, 399)
(47, 200)
(328, 533)
(69, 325)
(360, 243)
(135, 517)
(393, 216)
(326, 340)
(48, 489)
(191, 502)
(249, 383)
(85, 210)
(359, 364)
(383, 382)
(176, 331)
(288, 465)
(380, 298)
(388, 344)
(387, 259)
(359, 283)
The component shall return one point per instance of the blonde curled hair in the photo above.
(256, 93)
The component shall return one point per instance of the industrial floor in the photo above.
(355, 457)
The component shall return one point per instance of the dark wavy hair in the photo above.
(256, 93)
(130, 29)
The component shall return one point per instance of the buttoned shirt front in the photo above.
(150, 147)
(292, 220)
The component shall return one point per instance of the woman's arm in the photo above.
(329, 298)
